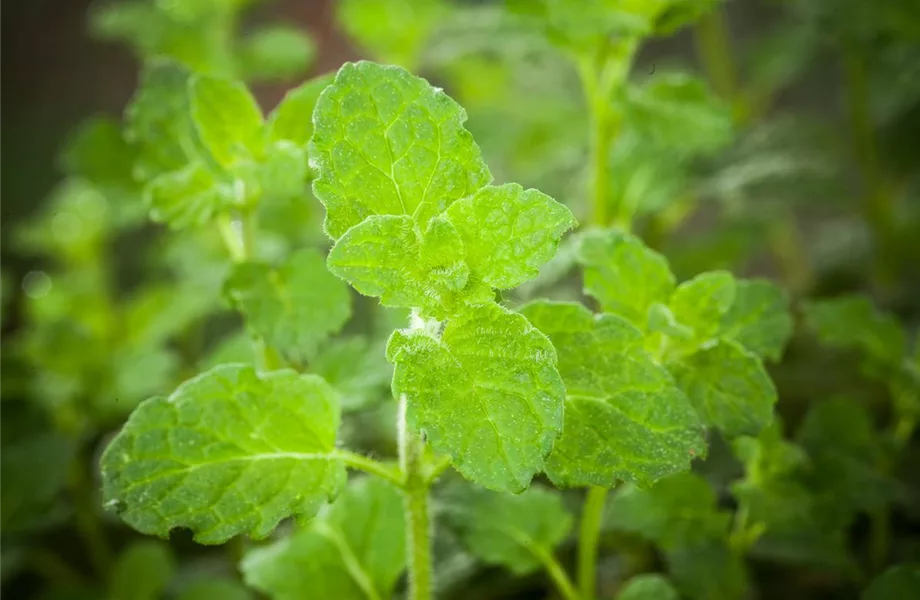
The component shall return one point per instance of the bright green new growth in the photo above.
(416, 225)
(625, 417)
(294, 307)
(229, 452)
(353, 550)
(707, 332)
(486, 392)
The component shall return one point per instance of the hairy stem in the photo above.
(591, 514)
(418, 520)
(372, 467)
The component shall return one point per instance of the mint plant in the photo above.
(368, 277)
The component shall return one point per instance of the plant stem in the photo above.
(878, 202)
(600, 76)
(714, 49)
(371, 466)
(591, 516)
(418, 524)
(556, 573)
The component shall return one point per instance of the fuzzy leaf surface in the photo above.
(624, 275)
(625, 417)
(487, 393)
(729, 388)
(386, 142)
(509, 232)
(229, 452)
(759, 318)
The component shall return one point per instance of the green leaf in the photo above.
(284, 173)
(357, 369)
(677, 511)
(391, 31)
(141, 572)
(509, 232)
(584, 26)
(852, 322)
(35, 462)
(294, 307)
(486, 393)
(845, 452)
(729, 388)
(276, 52)
(625, 417)
(700, 304)
(388, 257)
(98, 152)
(513, 531)
(208, 588)
(229, 452)
(387, 143)
(648, 586)
(624, 275)
(759, 318)
(677, 111)
(354, 550)
(708, 570)
(227, 118)
(189, 197)
(290, 121)
(896, 583)
(157, 120)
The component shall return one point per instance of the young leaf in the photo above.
(386, 256)
(191, 196)
(276, 52)
(487, 394)
(853, 322)
(229, 452)
(700, 303)
(514, 531)
(289, 120)
(729, 388)
(294, 307)
(509, 232)
(624, 275)
(677, 511)
(387, 143)
(759, 318)
(392, 31)
(648, 586)
(677, 111)
(625, 417)
(354, 550)
(227, 118)
(141, 572)
(899, 581)
(157, 120)
(98, 152)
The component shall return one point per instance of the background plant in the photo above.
(801, 460)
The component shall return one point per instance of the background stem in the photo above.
(589, 535)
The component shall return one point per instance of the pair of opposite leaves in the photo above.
(234, 451)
